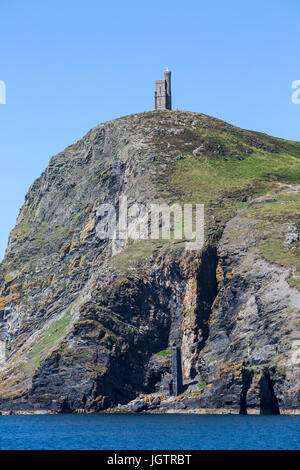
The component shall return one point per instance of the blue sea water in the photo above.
(134, 432)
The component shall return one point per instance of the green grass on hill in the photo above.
(204, 178)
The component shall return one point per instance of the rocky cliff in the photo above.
(87, 322)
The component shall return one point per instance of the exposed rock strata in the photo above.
(87, 323)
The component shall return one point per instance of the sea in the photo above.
(154, 432)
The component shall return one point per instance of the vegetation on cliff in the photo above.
(87, 323)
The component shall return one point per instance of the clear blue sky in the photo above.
(69, 65)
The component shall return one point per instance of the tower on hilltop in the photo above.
(162, 94)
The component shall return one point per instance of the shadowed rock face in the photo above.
(268, 400)
(88, 323)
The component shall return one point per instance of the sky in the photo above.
(69, 65)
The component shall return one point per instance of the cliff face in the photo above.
(87, 323)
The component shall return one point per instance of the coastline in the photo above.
(199, 411)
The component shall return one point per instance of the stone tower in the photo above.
(162, 94)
